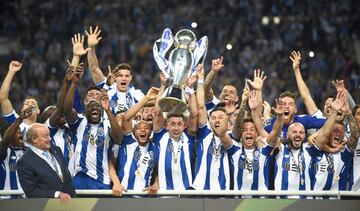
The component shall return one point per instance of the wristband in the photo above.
(189, 91)
(200, 81)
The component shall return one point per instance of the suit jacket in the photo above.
(39, 180)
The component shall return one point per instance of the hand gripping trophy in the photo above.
(180, 65)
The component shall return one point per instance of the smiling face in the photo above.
(228, 94)
(142, 132)
(123, 78)
(296, 135)
(290, 109)
(337, 135)
(248, 135)
(175, 126)
(93, 111)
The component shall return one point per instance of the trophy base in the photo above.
(172, 105)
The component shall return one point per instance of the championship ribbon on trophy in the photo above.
(181, 64)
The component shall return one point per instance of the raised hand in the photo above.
(246, 93)
(104, 100)
(295, 57)
(339, 102)
(200, 71)
(15, 66)
(78, 73)
(330, 149)
(152, 93)
(78, 45)
(280, 107)
(267, 107)
(217, 64)
(259, 79)
(93, 37)
(110, 78)
(190, 81)
(26, 113)
(339, 85)
(253, 100)
(163, 80)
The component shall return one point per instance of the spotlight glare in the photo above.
(228, 46)
(276, 20)
(265, 20)
(194, 25)
(311, 54)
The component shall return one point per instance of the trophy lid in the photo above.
(185, 39)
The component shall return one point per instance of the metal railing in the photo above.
(337, 194)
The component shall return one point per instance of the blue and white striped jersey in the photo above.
(9, 179)
(11, 118)
(290, 168)
(93, 145)
(355, 169)
(63, 138)
(174, 160)
(250, 167)
(135, 163)
(122, 101)
(329, 171)
(212, 165)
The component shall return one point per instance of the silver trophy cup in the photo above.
(181, 59)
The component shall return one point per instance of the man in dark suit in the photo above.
(42, 172)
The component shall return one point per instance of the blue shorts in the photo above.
(84, 181)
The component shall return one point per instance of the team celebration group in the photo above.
(122, 140)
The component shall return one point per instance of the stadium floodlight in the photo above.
(265, 20)
(311, 54)
(276, 20)
(228, 46)
(194, 25)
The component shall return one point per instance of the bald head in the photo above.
(38, 135)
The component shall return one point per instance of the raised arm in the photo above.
(158, 121)
(255, 113)
(200, 96)
(126, 120)
(216, 66)
(310, 105)
(279, 123)
(10, 134)
(354, 127)
(324, 134)
(340, 86)
(69, 113)
(225, 138)
(237, 128)
(116, 130)
(78, 49)
(192, 104)
(257, 84)
(93, 40)
(6, 105)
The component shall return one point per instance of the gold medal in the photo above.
(92, 140)
(137, 173)
(336, 177)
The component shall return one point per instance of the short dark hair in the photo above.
(121, 67)
(31, 97)
(93, 88)
(288, 94)
(354, 109)
(170, 115)
(217, 109)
